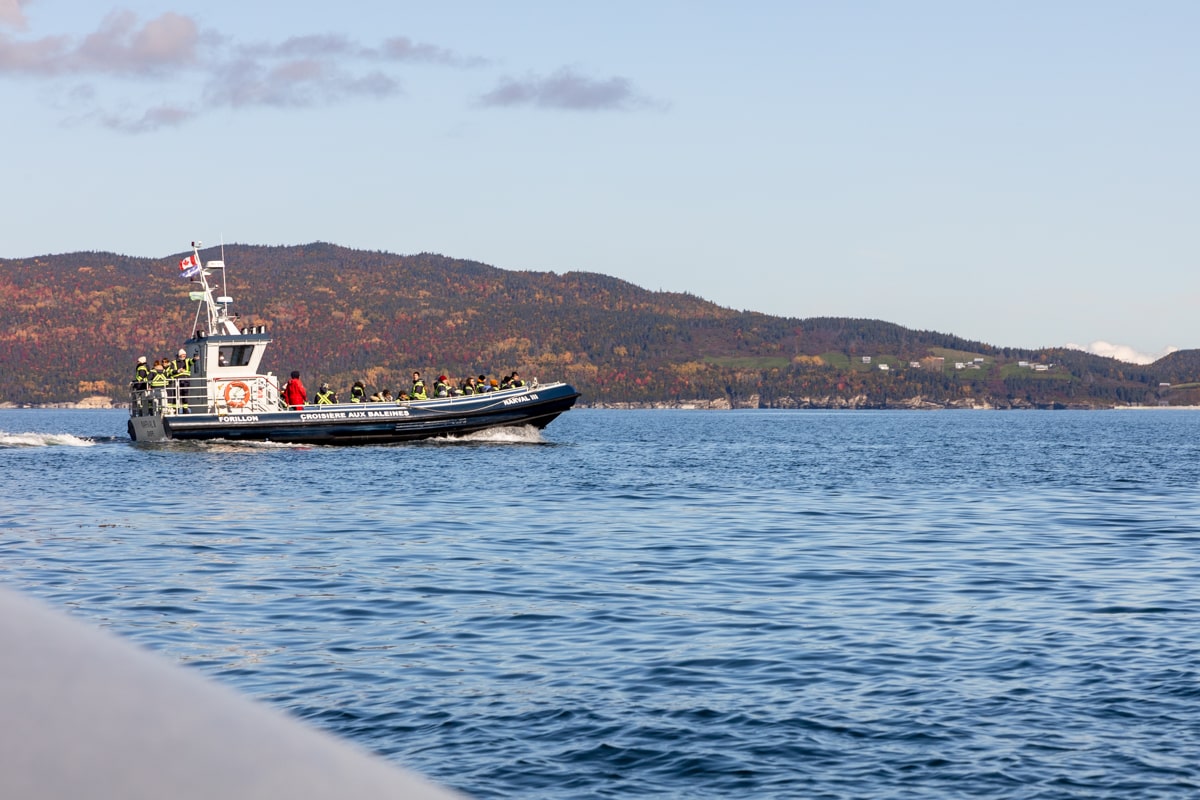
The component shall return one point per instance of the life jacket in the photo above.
(159, 379)
(182, 366)
(357, 393)
(418, 390)
(142, 373)
(325, 398)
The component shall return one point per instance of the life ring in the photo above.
(238, 400)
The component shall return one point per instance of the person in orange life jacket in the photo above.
(294, 393)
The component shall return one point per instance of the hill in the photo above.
(72, 325)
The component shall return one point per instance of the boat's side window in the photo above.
(235, 355)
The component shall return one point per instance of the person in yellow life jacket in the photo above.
(517, 383)
(358, 392)
(440, 387)
(325, 396)
(158, 377)
(418, 389)
(141, 373)
(468, 386)
(182, 365)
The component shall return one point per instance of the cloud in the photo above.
(151, 119)
(294, 83)
(11, 15)
(118, 47)
(199, 69)
(566, 89)
(171, 50)
(401, 48)
(1120, 352)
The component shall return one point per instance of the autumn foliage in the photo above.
(73, 325)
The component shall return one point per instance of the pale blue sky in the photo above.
(1021, 173)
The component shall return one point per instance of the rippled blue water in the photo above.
(667, 603)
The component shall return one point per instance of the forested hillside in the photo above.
(73, 325)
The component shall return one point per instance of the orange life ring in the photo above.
(238, 400)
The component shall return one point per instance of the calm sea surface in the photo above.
(666, 603)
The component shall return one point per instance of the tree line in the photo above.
(73, 325)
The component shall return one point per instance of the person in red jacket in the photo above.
(294, 392)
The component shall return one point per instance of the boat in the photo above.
(226, 396)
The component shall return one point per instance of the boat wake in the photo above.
(525, 434)
(43, 440)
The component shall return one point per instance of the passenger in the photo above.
(182, 364)
(481, 384)
(494, 385)
(418, 387)
(441, 388)
(294, 393)
(377, 397)
(141, 373)
(517, 383)
(325, 396)
(158, 377)
(468, 387)
(403, 398)
(358, 392)
(506, 382)
(387, 396)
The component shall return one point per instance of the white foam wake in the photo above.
(42, 440)
(525, 434)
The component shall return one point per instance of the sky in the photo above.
(1025, 174)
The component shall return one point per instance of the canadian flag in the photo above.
(190, 261)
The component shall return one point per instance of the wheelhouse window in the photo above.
(236, 355)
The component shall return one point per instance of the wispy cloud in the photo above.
(401, 48)
(300, 71)
(11, 15)
(295, 83)
(200, 69)
(1120, 352)
(566, 90)
(118, 47)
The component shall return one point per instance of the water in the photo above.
(666, 604)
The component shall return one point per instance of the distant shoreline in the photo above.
(826, 404)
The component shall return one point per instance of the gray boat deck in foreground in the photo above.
(89, 715)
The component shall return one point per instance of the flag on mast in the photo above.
(189, 267)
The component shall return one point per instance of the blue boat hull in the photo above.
(378, 423)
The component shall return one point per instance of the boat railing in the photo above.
(249, 394)
(200, 395)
